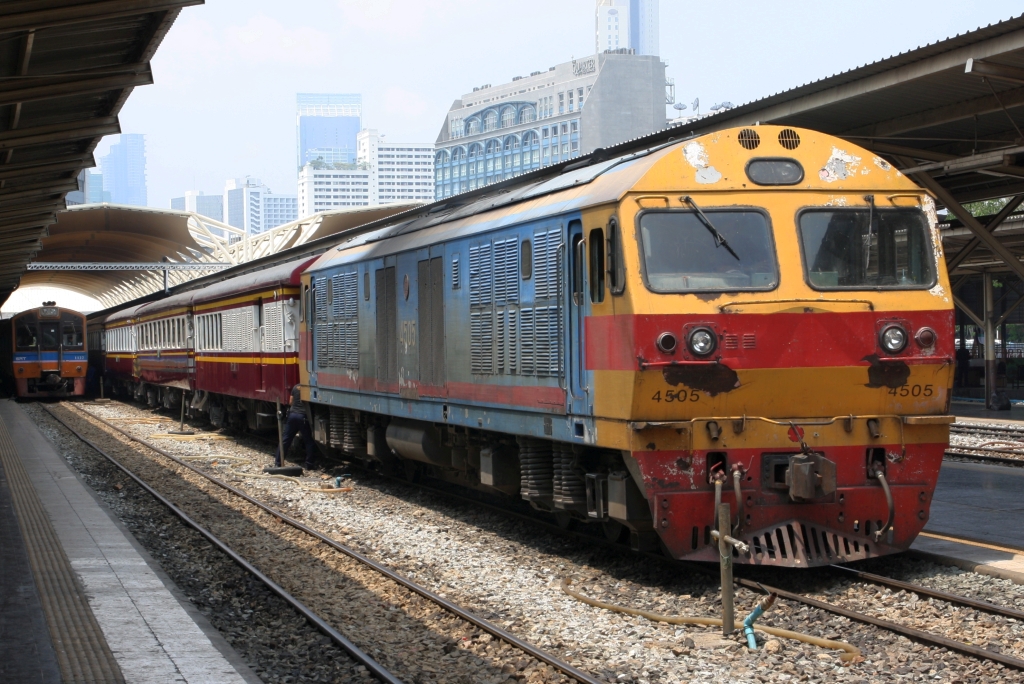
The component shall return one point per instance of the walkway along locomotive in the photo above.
(44, 352)
(765, 308)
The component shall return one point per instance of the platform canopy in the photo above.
(948, 114)
(117, 254)
(66, 69)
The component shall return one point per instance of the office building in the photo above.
(627, 25)
(124, 170)
(90, 189)
(326, 127)
(211, 206)
(385, 172)
(494, 133)
(252, 207)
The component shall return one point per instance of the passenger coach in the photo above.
(759, 316)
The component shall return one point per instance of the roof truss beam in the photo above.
(125, 266)
(958, 258)
(1000, 72)
(34, 88)
(22, 15)
(72, 162)
(72, 130)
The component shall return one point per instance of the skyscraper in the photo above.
(627, 24)
(252, 207)
(124, 170)
(326, 127)
(211, 206)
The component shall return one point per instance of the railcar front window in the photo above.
(25, 334)
(71, 333)
(681, 255)
(49, 335)
(867, 249)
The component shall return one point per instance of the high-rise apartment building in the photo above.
(211, 206)
(627, 24)
(124, 170)
(385, 172)
(326, 127)
(494, 133)
(252, 207)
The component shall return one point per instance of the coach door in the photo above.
(261, 348)
(578, 399)
(430, 314)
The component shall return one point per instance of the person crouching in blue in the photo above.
(297, 423)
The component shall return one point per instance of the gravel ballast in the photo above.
(508, 570)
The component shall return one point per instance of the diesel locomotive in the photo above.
(44, 352)
(758, 317)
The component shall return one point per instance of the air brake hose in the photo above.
(880, 474)
(851, 651)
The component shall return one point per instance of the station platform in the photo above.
(976, 411)
(984, 504)
(80, 600)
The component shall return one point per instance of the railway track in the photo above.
(850, 576)
(359, 654)
(987, 443)
(758, 588)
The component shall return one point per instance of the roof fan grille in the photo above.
(789, 139)
(749, 139)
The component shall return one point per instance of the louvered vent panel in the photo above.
(500, 333)
(343, 335)
(456, 279)
(506, 271)
(482, 348)
(481, 274)
(321, 345)
(546, 260)
(513, 341)
(273, 327)
(238, 329)
(527, 360)
(320, 304)
(548, 332)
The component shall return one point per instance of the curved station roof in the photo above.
(115, 239)
(66, 69)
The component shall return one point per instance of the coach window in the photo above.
(526, 259)
(596, 244)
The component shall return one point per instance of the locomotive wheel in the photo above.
(613, 530)
(563, 519)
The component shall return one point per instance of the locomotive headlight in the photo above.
(893, 339)
(702, 341)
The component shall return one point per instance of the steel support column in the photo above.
(990, 343)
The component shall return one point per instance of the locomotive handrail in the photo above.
(644, 365)
(870, 304)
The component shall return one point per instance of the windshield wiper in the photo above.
(720, 240)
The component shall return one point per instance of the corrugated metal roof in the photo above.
(66, 69)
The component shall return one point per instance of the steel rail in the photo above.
(984, 606)
(341, 640)
(760, 588)
(995, 460)
(444, 603)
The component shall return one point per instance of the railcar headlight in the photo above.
(666, 343)
(893, 339)
(702, 341)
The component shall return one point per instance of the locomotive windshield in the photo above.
(681, 255)
(71, 331)
(842, 251)
(25, 333)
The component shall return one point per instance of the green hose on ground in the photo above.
(851, 651)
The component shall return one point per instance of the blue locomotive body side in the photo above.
(482, 324)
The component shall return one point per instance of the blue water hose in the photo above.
(760, 609)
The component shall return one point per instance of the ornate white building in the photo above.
(494, 133)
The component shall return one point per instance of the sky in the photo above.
(226, 75)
